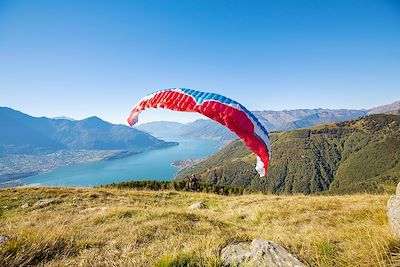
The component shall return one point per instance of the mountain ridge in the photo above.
(393, 108)
(22, 133)
(343, 157)
(283, 120)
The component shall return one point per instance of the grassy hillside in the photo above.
(344, 157)
(103, 227)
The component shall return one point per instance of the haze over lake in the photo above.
(151, 165)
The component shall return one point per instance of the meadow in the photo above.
(127, 227)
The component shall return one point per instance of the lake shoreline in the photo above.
(185, 163)
(16, 179)
(150, 165)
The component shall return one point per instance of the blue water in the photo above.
(151, 165)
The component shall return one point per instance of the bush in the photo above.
(226, 190)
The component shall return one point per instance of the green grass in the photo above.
(106, 226)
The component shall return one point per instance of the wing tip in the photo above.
(133, 118)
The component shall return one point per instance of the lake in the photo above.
(150, 165)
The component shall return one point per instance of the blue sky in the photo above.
(83, 58)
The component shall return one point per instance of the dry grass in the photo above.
(102, 227)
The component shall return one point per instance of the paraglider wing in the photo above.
(219, 108)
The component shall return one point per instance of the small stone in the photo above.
(198, 205)
(25, 206)
(43, 203)
(93, 196)
(259, 253)
(3, 239)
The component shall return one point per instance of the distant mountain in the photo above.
(208, 129)
(161, 129)
(64, 118)
(21, 133)
(324, 116)
(272, 120)
(344, 157)
(205, 129)
(393, 108)
(284, 120)
(300, 118)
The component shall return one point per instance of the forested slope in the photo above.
(352, 156)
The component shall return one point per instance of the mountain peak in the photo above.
(93, 118)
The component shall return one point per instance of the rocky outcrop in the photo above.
(394, 213)
(259, 253)
(197, 206)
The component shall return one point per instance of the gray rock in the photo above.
(259, 253)
(394, 215)
(198, 205)
(43, 203)
(26, 205)
(398, 190)
(3, 239)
